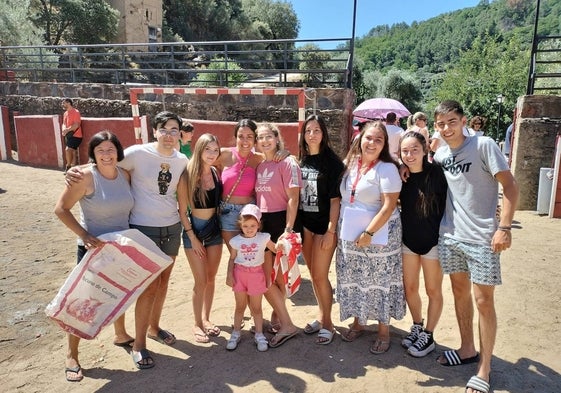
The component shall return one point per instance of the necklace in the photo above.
(359, 176)
(207, 181)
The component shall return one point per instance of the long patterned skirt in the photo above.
(370, 279)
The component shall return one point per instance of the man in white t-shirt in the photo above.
(394, 134)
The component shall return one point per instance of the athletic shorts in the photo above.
(274, 224)
(168, 239)
(73, 142)
(432, 254)
(479, 261)
(250, 280)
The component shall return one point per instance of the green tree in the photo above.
(75, 21)
(402, 86)
(225, 74)
(311, 60)
(491, 67)
(16, 28)
(204, 20)
(272, 20)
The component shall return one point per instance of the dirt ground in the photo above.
(37, 253)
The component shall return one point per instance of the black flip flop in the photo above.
(74, 370)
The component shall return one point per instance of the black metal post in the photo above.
(351, 51)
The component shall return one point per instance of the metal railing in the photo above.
(545, 62)
(213, 63)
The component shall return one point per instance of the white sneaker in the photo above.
(234, 340)
(261, 342)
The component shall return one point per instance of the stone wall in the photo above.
(538, 123)
(104, 100)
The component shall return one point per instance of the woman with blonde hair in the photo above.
(199, 195)
(277, 191)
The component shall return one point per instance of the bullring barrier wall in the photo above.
(40, 141)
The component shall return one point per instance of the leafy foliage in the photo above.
(227, 78)
(75, 21)
(204, 20)
(470, 55)
(16, 27)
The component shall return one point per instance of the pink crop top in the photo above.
(246, 186)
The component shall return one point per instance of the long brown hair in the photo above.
(428, 201)
(355, 150)
(195, 169)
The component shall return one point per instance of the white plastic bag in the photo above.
(106, 282)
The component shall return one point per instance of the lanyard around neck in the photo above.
(359, 176)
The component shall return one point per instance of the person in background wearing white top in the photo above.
(419, 124)
(394, 134)
(476, 125)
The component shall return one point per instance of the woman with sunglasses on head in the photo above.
(320, 201)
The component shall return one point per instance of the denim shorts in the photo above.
(197, 224)
(168, 239)
(479, 261)
(229, 216)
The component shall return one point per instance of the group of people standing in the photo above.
(414, 215)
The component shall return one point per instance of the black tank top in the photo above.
(212, 196)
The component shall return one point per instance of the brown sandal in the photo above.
(352, 334)
(380, 346)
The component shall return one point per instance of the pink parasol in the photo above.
(378, 108)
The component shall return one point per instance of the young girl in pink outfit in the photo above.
(246, 275)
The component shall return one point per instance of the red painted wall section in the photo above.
(36, 140)
(224, 130)
(40, 142)
(5, 138)
(120, 126)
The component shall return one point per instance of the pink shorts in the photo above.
(250, 280)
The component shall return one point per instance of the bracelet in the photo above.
(187, 230)
(504, 228)
(368, 233)
(288, 230)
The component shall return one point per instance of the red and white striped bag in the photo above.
(287, 259)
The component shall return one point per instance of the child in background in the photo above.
(185, 135)
(246, 275)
